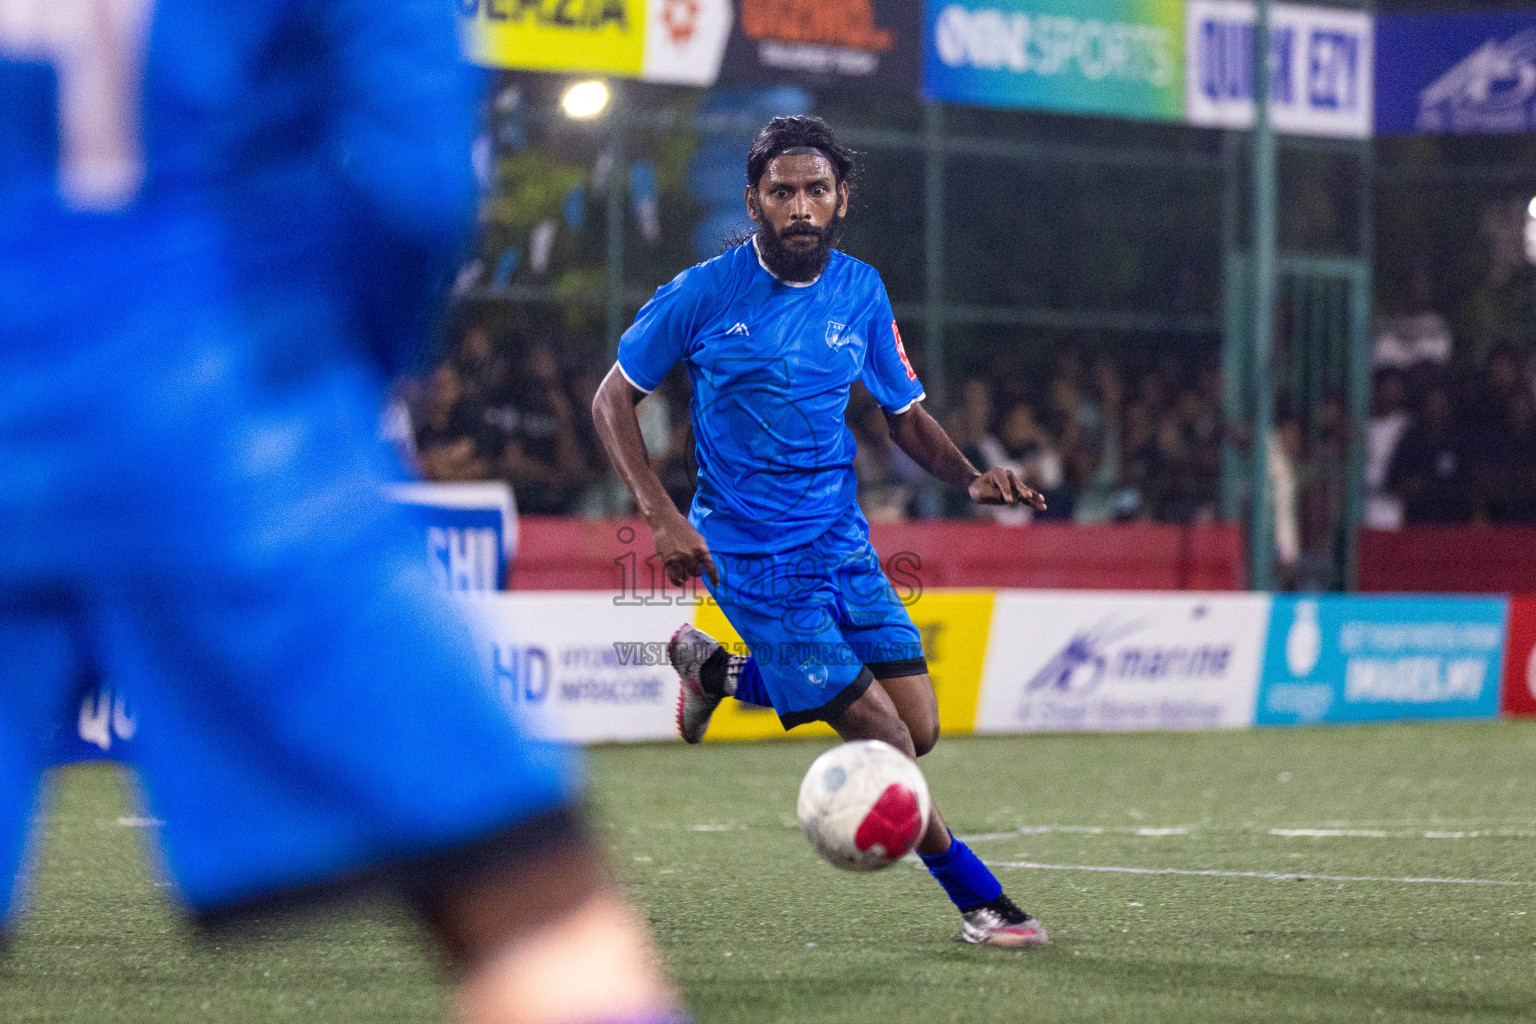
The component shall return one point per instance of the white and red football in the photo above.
(863, 805)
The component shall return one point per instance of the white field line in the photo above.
(1331, 832)
(1267, 875)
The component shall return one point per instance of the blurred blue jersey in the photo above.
(771, 366)
(304, 162)
(208, 213)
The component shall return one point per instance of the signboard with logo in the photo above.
(1321, 62)
(1113, 57)
(468, 530)
(854, 42)
(1520, 659)
(1121, 661)
(1375, 659)
(1462, 73)
(954, 625)
(677, 41)
(577, 667)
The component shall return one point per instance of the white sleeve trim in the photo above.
(637, 387)
(897, 412)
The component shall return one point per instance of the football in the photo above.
(863, 805)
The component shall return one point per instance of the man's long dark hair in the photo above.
(801, 130)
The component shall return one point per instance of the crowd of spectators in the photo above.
(1104, 440)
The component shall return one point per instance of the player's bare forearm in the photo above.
(920, 436)
(613, 413)
(683, 551)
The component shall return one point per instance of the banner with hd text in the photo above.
(1123, 58)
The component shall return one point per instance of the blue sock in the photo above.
(749, 685)
(962, 874)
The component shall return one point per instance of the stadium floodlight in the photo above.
(585, 99)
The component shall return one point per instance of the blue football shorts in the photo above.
(201, 526)
(821, 620)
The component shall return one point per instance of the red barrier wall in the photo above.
(1519, 696)
(1449, 559)
(573, 554)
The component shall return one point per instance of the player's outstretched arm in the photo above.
(920, 436)
(682, 550)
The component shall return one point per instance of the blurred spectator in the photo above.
(1023, 445)
(1509, 470)
(889, 481)
(1389, 420)
(1284, 458)
(1430, 470)
(1413, 333)
(533, 433)
(452, 443)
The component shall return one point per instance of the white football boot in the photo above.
(688, 650)
(1000, 922)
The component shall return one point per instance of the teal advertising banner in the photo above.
(1123, 58)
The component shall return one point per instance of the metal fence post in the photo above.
(614, 240)
(933, 251)
(1261, 539)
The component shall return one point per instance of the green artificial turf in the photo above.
(757, 929)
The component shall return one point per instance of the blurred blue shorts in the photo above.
(201, 525)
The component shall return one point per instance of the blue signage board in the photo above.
(1456, 74)
(1379, 659)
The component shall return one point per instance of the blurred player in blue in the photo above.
(774, 332)
(222, 226)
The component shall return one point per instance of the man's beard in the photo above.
(796, 266)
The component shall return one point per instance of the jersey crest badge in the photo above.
(838, 335)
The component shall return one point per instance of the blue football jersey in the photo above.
(302, 162)
(771, 365)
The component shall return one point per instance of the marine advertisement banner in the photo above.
(825, 42)
(676, 41)
(1456, 74)
(1068, 661)
(1520, 659)
(1381, 659)
(1113, 57)
(1321, 62)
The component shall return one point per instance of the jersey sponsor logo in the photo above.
(740, 328)
(901, 350)
(839, 335)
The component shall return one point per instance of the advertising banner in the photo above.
(954, 625)
(1380, 659)
(1520, 659)
(825, 42)
(1121, 661)
(577, 667)
(1114, 57)
(677, 41)
(469, 530)
(1321, 62)
(1462, 73)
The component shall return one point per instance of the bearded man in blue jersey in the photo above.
(774, 332)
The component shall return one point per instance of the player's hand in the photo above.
(1003, 487)
(683, 552)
